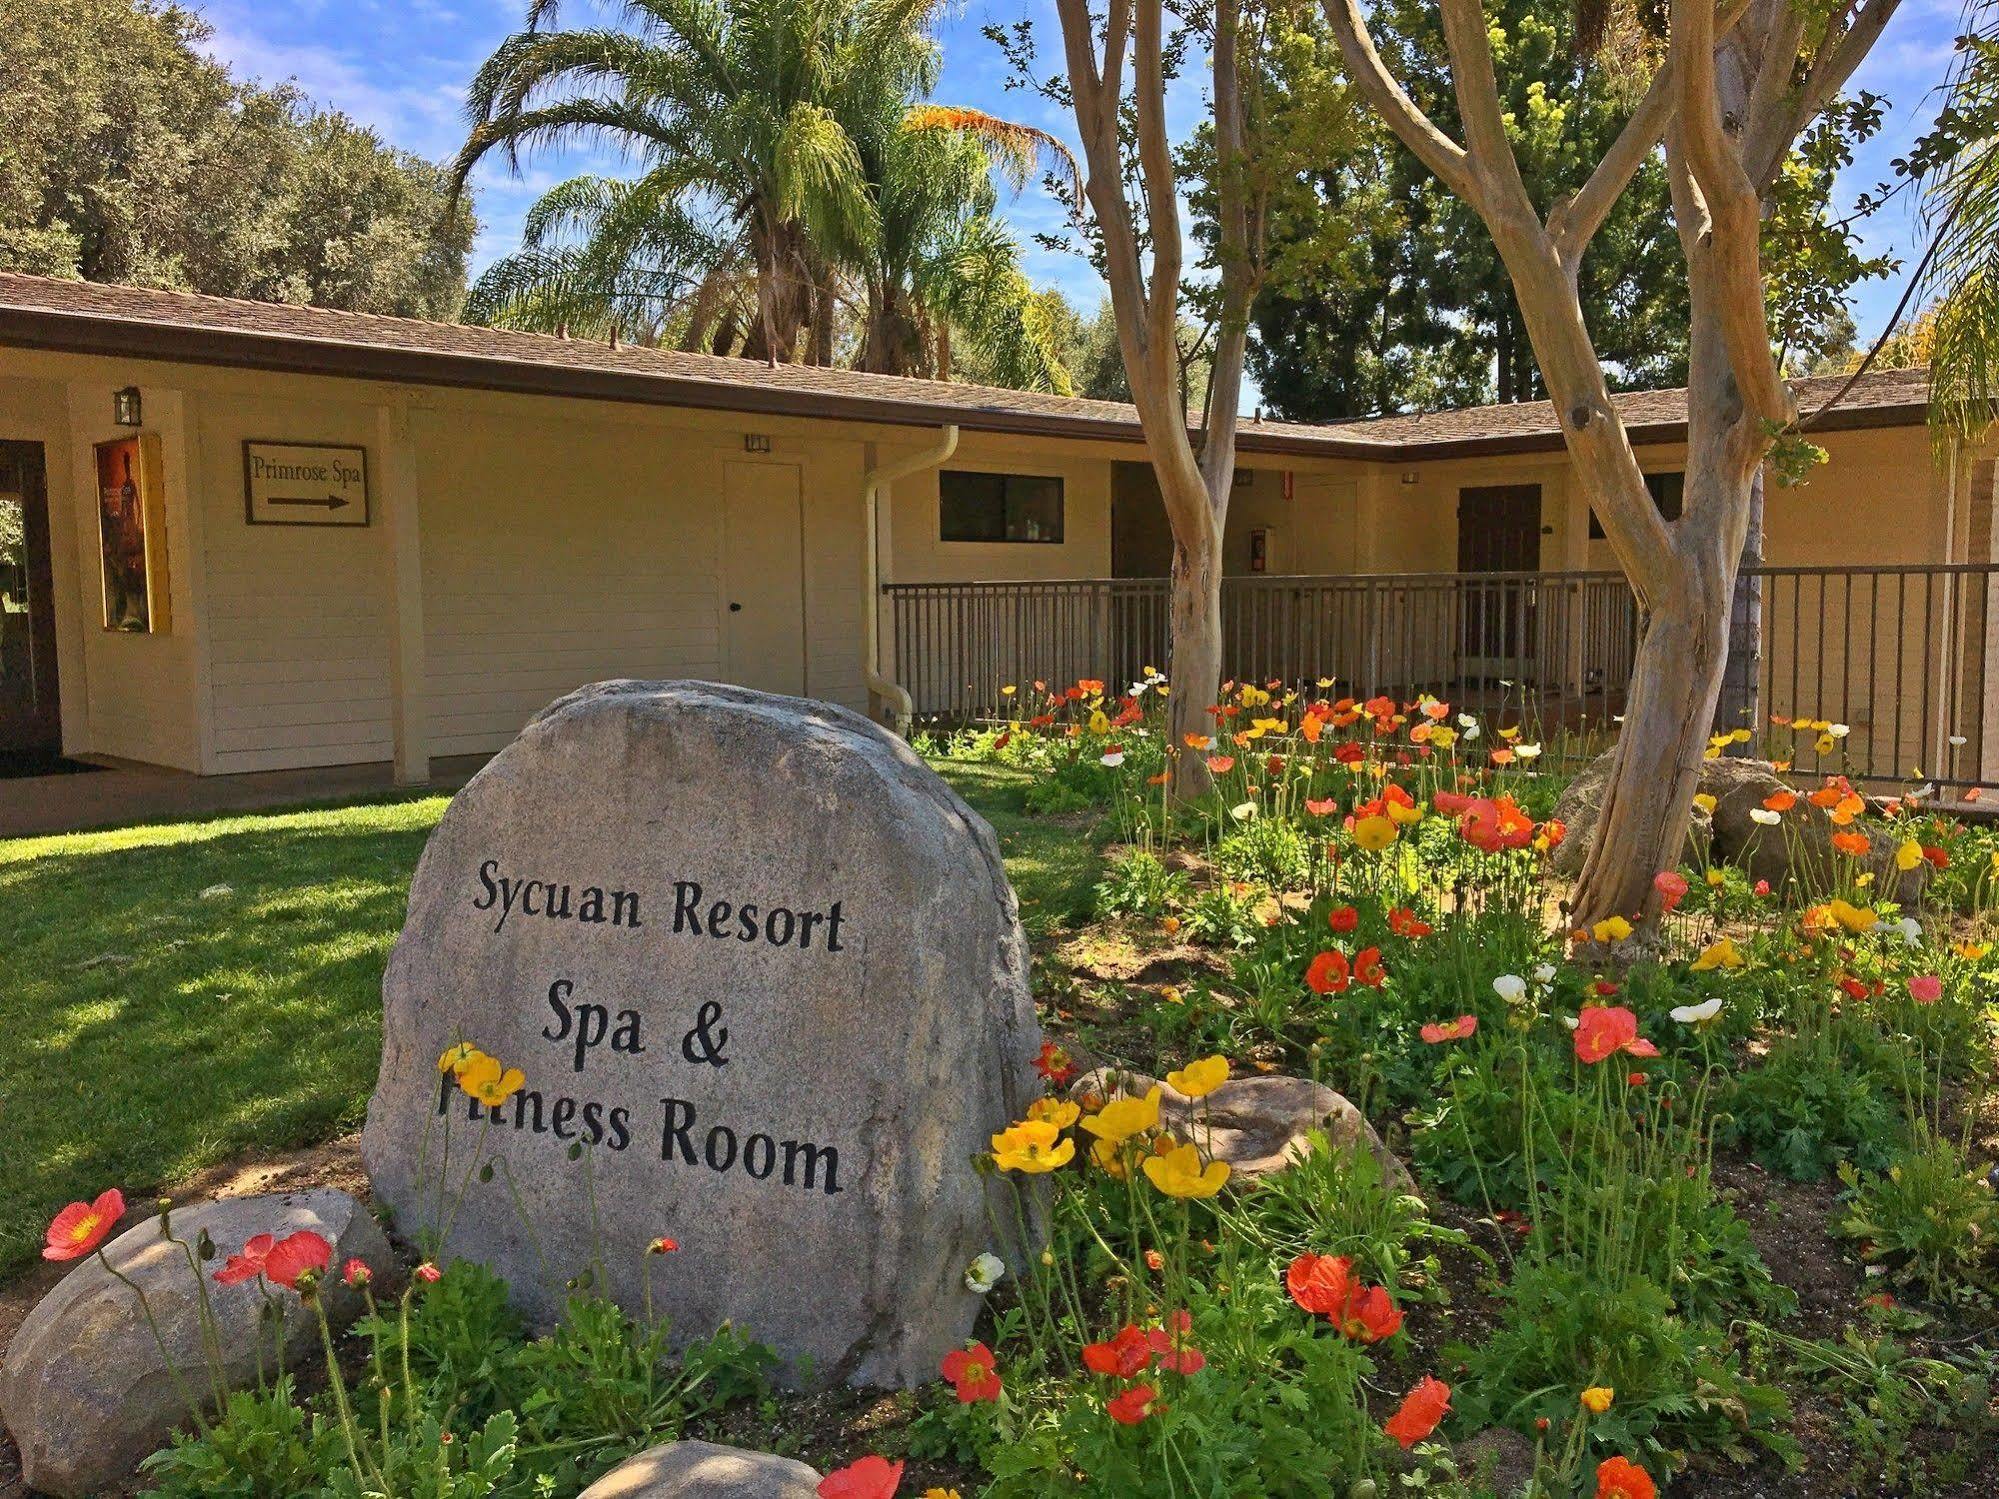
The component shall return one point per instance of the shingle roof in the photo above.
(134, 322)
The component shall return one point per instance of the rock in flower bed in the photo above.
(88, 1388)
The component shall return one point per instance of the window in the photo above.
(1668, 490)
(999, 507)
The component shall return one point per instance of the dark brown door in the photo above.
(30, 725)
(1499, 531)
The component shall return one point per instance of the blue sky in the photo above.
(402, 66)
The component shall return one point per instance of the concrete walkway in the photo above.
(122, 794)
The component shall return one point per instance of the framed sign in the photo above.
(304, 484)
(132, 536)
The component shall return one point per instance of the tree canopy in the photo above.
(131, 156)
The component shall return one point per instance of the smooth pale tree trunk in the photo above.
(1194, 673)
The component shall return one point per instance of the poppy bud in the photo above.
(486, 1172)
(576, 1151)
(428, 1273)
(164, 1207)
(204, 1246)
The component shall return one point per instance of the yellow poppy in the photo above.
(1374, 833)
(1705, 802)
(1908, 854)
(1199, 1079)
(1721, 953)
(1853, 918)
(1107, 1155)
(1122, 1118)
(492, 1084)
(457, 1058)
(1100, 722)
(1033, 1146)
(1060, 1112)
(1179, 1173)
(1404, 815)
(1611, 929)
(1596, 1399)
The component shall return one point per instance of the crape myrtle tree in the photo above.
(1119, 64)
(1736, 87)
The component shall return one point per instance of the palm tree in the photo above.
(739, 113)
(791, 189)
(1957, 164)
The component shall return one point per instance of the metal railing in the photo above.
(1900, 655)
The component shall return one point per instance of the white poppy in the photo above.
(1695, 1014)
(1545, 973)
(1138, 689)
(1510, 987)
(984, 1273)
(1838, 730)
(1527, 751)
(1911, 930)
(1466, 721)
(1957, 741)
(1114, 758)
(1570, 1021)
(1243, 811)
(1765, 816)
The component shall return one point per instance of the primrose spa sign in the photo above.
(763, 979)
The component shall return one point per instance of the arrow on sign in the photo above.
(331, 502)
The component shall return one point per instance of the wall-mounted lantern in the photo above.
(125, 407)
(756, 442)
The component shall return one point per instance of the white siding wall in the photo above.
(298, 616)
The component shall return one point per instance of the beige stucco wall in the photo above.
(549, 543)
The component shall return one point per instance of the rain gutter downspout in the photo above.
(901, 709)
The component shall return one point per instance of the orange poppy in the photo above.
(1329, 973)
(1451, 1030)
(1367, 967)
(1343, 919)
(1605, 1030)
(1620, 1478)
(1405, 923)
(1781, 801)
(1123, 1356)
(1853, 845)
(1421, 1411)
(1221, 765)
(870, 1478)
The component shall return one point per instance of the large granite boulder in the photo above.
(765, 979)
(1257, 1124)
(84, 1389)
(1799, 848)
(706, 1470)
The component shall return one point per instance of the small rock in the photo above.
(84, 1389)
(218, 892)
(1257, 1124)
(705, 1470)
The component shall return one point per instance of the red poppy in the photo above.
(1855, 990)
(663, 1246)
(1405, 923)
(1605, 1030)
(1493, 824)
(1054, 1064)
(1936, 856)
(296, 1255)
(1367, 968)
(1322, 808)
(1350, 753)
(1343, 919)
(1672, 888)
(1176, 1353)
(1451, 803)
(428, 1273)
(1124, 1355)
(1370, 1316)
(870, 1478)
(79, 1228)
(1133, 1406)
(1319, 1283)
(1329, 973)
(1619, 1478)
(1450, 1030)
(1422, 1409)
(971, 1371)
(356, 1274)
(249, 1264)
(1221, 765)
(1636, 1079)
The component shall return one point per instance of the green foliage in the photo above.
(1679, 1389)
(265, 1443)
(1814, 1103)
(1273, 851)
(132, 156)
(1929, 1219)
(1886, 1394)
(1140, 884)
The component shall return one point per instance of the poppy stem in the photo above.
(152, 1323)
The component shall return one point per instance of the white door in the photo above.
(763, 576)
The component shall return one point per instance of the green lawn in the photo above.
(173, 995)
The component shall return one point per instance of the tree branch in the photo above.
(1419, 133)
(1732, 242)
(1155, 165)
(1575, 223)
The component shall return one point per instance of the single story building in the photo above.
(256, 536)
